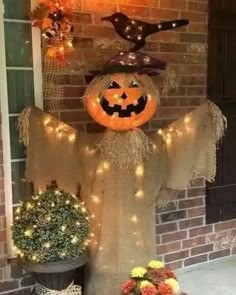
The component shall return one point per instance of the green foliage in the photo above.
(52, 226)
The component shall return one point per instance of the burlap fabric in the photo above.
(123, 220)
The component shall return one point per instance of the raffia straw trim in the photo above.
(23, 126)
(126, 149)
(170, 81)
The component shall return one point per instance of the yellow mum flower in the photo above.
(156, 264)
(145, 284)
(173, 284)
(138, 272)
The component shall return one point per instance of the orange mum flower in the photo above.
(149, 290)
(128, 286)
(165, 289)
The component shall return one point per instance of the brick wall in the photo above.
(183, 238)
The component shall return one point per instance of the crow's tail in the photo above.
(170, 25)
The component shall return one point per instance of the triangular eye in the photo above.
(133, 84)
(114, 85)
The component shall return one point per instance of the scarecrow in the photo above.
(124, 171)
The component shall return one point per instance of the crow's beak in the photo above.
(107, 18)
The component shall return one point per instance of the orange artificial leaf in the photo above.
(46, 23)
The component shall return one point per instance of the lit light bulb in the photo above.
(63, 254)
(139, 171)
(187, 120)
(92, 235)
(154, 147)
(47, 245)
(106, 165)
(160, 132)
(93, 216)
(61, 49)
(17, 218)
(139, 37)
(57, 192)
(22, 254)
(69, 44)
(18, 210)
(159, 26)
(67, 202)
(74, 240)
(83, 210)
(34, 257)
(52, 205)
(72, 137)
(35, 226)
(29, 206)
(76, 206)
(95, 199)
(46, 121)
(78, 223)
(174, 25)
(100, 248)
(48, 218)
(139, 194)
(28, 233)
(63, 228)
(134, 219)
(99, 171)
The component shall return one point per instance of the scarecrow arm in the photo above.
(191, 144)
(51, 153)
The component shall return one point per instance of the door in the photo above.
(221, 195)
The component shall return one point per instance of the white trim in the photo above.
(38, 98)
(6, 135)
(37, 63)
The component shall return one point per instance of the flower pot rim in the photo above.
(54, 267)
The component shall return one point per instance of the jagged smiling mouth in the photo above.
(128, 111)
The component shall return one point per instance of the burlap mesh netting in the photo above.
(123, 222)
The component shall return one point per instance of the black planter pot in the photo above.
(55, 276)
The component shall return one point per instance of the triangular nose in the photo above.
(124, 96)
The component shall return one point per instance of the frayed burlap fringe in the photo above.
(126, 149)
(71, 290)
(23, 126)
(170, 81)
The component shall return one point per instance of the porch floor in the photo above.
(213, 278)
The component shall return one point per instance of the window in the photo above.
(21, 86)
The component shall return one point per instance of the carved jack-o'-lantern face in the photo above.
(121, 101)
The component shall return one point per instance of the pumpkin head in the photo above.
(121, 101)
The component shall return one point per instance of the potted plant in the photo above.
(50, 233)
(155, 279)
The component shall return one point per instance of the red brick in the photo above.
(197, 28)
(82, 18)
(195, 212)
(197, 6)
(201, 249)
(179, 235)
(192, 38)
(196, 192)
(176, 256)
(191, 223)
(168, 248)
(73, 91)
(99, 32)
(196, 202)
(200, 231)
(195, 260)
(196, 91)
(219, 254)
(194, 242)
(225, 225)
(174, 4)
(163, 14)
(158, 240)
(99, 6)
(172, 216)
(173, 47)
(75, 116)
(194, 16)
(166, 228)
(134, 11)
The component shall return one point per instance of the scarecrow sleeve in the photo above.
(191, 144)
(52, 150)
